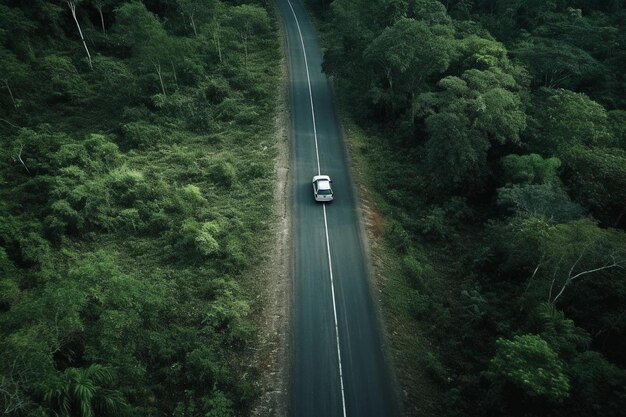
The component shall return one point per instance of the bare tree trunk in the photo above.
(216, 40)
(193, 24)
(244, 37)
(413, 111)
(19, 158)
(157, 67)
(6, 83)
(101, 19)
(174, 72)
(72, 5)
(10, 124)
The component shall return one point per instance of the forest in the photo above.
(493, 136)
(136, 173)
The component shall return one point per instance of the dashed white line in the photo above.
(330, 266)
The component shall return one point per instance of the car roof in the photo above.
(323, 185)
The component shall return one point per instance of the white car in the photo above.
(322, 191)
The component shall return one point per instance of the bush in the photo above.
(223, 173)
(418, 271)
(142, 135)
(397, 236)
(200, 237)
(433, 366)
(434, 224)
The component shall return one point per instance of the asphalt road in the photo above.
(338, 367)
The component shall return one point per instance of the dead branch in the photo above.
(72, 5)
(18, 157)
(614, 264)
(10, 124)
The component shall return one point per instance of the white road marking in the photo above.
(308, 78)
(332, 289)
(330, 265)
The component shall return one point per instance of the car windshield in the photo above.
(324, 192)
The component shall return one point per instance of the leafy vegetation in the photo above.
(136, 169)
(494, 130)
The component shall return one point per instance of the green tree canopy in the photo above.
(402, 57)
(597, 179)
(530, 169)
(529, 363)
(561, 119)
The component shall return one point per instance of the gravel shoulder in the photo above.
(269, 354)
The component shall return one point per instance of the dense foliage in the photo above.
(136, 168)
(496, 140)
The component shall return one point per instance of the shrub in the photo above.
(223, 173)
(63, 219)
(142, 135)
(397, 236)
(434, 224)
(418, 272)
(433, 366)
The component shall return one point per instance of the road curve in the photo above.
(338, 367)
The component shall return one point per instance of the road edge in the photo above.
(274, 374)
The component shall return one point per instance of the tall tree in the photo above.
(463, 120)
(99, 5)
(144, 33)
(11, 69)
(401, 58)
(71, 4)
(249, 20)
(561, 119)
(196, 11)
(597, 179)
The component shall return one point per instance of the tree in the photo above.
(433, 12)
(478, 52)
(548, 201)
(561, 119)
(401, 58)
(99, 5)
(11, 69)
(598, 387)
(65, 81)
(456, 155)
(617, 124)
(71, 4)
(597, 179)
(530, 169)
(196, 9)
(529, 363)
(561, 333)
(562, 258)
(15, 27)
(81, 392)
(463, 119)
(555, 64)
(142, 31)
(249, 20)
(219, 405)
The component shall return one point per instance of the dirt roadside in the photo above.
(270, 351)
